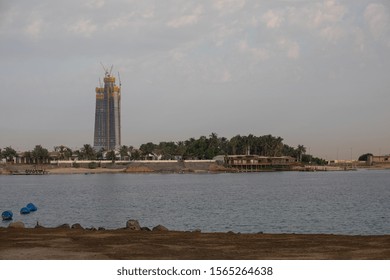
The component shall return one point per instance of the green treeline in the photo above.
(193, 148)
(209, 147)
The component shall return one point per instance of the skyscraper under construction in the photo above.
(108, 114)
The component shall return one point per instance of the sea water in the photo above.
(353, 202)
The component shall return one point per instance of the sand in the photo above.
(78, 244)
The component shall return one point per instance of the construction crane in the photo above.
(106, 69)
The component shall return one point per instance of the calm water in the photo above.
(356, 202)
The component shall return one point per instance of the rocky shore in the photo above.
(135, 242)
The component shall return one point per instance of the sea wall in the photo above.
(160, 166)
(173, 166)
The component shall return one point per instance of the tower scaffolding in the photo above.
(107, 133)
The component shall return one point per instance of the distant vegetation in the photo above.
(193, 148)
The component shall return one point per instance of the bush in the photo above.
(92, 165)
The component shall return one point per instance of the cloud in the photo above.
(228, 6)
(332, 33)
(256, 53)
(315, 15)
(378, 20)
(291, 48)
(226, 76)
(329, 12)
(34, 29)
(119, 22)
(95, 4)
(273, 19)
(186, 19)
(83, 27)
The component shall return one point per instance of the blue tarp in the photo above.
(24, 210)
(7, 215)
(31, 207)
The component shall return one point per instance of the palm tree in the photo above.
(300, 151)
(124, 151)
(111, 155)
(9, 154)
(88, 152)
(64, 152)
(40, 154)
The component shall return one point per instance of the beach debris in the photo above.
(7, 215)
(38, 225)
(24, 211)
(133, 225)
(160, 228)
(31, 207)
(17, 224)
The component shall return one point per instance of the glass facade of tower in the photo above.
(108, 115)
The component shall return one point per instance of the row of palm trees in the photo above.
(200, 148)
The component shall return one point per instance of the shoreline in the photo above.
(115, 244)
(148, 170)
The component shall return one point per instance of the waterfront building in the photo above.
(108, 114)
(378, 160)
(255, 163)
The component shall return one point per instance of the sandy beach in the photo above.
(79, 244)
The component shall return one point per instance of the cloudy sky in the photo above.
(314, 72)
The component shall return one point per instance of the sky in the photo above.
(313, 72)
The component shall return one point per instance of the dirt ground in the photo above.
(77, 244)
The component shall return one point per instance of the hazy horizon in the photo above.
(312, 72)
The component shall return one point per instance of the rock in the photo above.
(160, 228)
(17, 224)
(77, 226)
(145, 229)
(101, 228)
(64, 226)
(133, 225)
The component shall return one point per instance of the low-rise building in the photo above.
(255, 163)
(378, 160)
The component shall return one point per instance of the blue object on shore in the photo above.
(7, 215)
(31, 207)
(24, 210)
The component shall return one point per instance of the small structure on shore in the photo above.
(255, 163)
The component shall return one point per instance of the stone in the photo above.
(145, 229)
(77, 226)
(133, 225)
(64, 226)
(101, 228)
(160, 228)
(17, 224)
